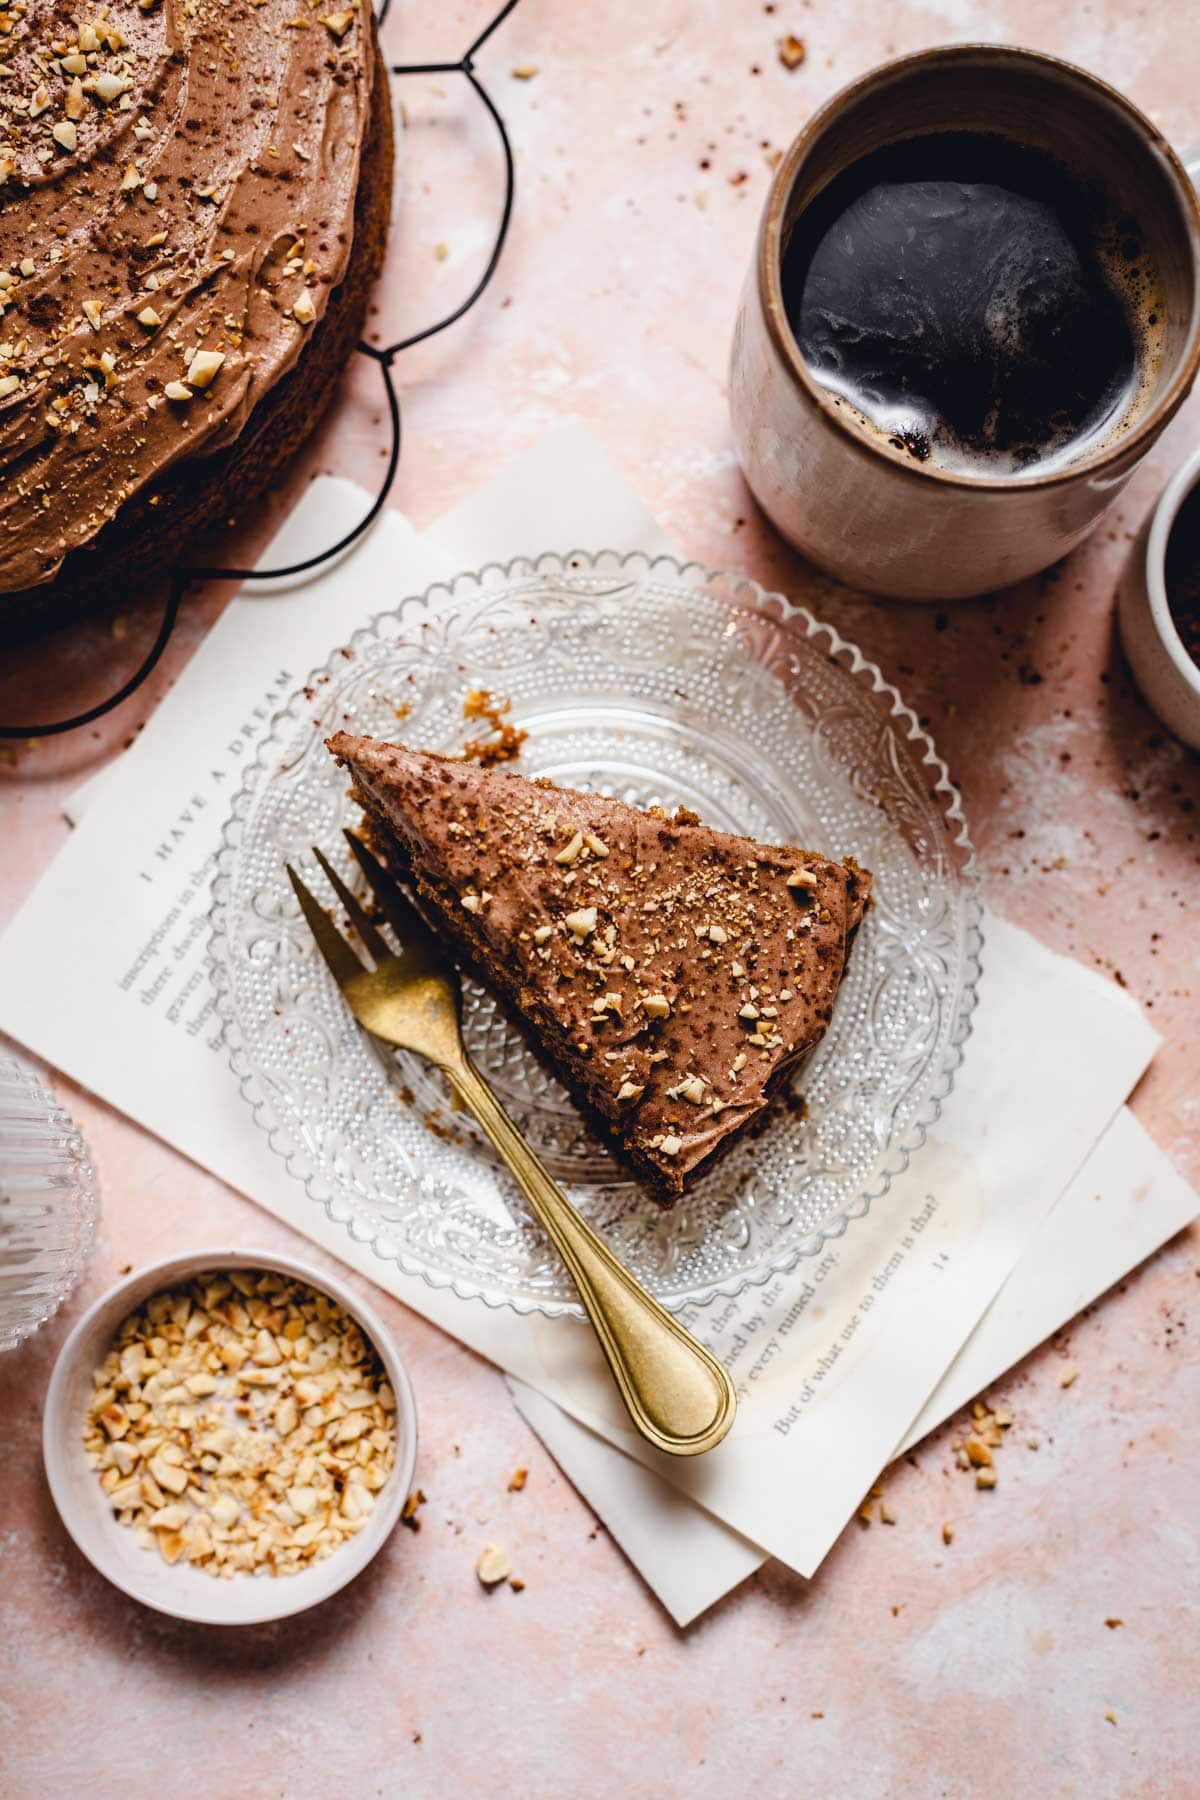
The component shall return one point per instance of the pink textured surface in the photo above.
(906, 1667)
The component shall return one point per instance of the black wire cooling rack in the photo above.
(384, 356)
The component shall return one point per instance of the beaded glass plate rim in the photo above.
(65, 1141)
(754, 598)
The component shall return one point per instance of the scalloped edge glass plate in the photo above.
(674, 684)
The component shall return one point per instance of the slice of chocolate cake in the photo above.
(670, 972)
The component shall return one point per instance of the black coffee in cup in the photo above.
(1182, 574)
(975, 302)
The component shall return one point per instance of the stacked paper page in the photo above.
(836, 1361)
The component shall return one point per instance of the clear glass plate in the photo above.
(661, 684)
(49, 1203)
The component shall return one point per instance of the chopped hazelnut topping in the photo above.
(203, 367)
(205, 1456)
(571, 852)
(655, 1006)
(304, 310)
(596, 845)
(175, 390)
(470, 903)
(543, 934)
(801, 878)
(65, 134)
(718, 934)
(149, 318)
(338, 24)
(690, 1088)
(581, 924)
(110, 87)
(749, 1011)
(630, 1090)
(93, 312)
(671, 1146)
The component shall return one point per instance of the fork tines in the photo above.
(401, 915)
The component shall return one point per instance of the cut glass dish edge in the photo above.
(771, 604)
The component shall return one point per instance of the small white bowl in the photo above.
(1165, 673)
(179, 1589)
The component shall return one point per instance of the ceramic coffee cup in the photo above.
(864, 508)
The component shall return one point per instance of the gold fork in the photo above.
(678, 1396)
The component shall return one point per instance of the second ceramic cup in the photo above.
(854, 503)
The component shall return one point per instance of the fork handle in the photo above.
(678, 1395)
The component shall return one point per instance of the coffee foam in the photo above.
(1140, 296)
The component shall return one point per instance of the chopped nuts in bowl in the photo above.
(221, 1419)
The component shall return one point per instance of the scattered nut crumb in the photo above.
(408, 1512)
(985, 1478)
(492, 1565)
(947, 1534)
(517, 1480)
(792, 51)
(506, 744)
(1113, 1623)
(525, 71)
(1069, 1374)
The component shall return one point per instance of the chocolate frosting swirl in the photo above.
(177, 187)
